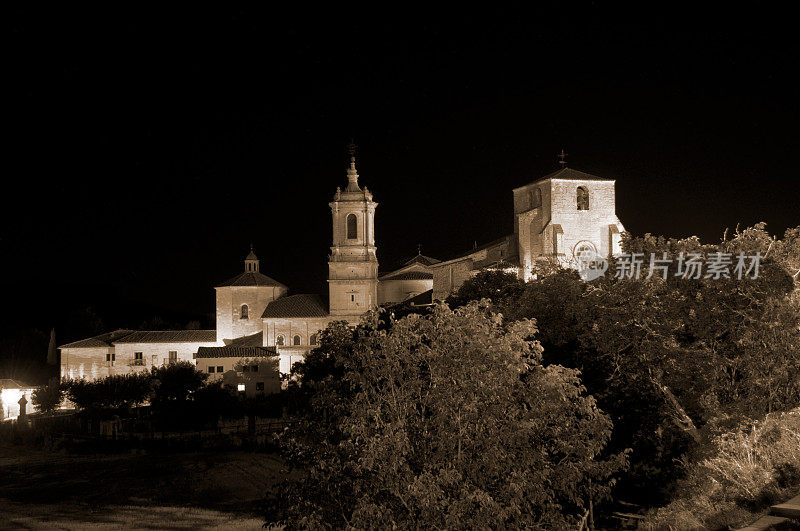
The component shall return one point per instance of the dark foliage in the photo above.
(431, 422)
(48, 397)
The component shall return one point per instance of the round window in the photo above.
(584, 251)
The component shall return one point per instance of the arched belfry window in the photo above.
(296, 340)
(244, 312)
(583, 198)
(352, 227)
(279, 341)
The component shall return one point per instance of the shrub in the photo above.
(749, 468)
(116, 391)
(48, 397)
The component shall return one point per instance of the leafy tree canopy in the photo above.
(447, 420)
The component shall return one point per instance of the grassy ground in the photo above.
(44, 490)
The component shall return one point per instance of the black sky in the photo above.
(148, 148)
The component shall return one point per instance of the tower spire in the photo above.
(352, 174)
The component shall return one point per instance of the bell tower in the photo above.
(353, 263)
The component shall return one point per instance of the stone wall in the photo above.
(267, 373)
(229, 304)
(304, 327)
(89, 363)
(584, 225)
(393, 291)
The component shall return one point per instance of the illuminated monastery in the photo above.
(257, 318)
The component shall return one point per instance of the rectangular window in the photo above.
(173, 356)
(138, 359)
(111, 357)
(259, 386)
(220, 369)
(211, 369)
(240, 388)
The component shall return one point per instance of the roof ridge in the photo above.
(256, 276)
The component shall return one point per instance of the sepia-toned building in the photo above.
(257, 318)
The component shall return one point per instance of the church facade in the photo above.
(257, 320)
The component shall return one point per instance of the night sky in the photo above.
(147, 149)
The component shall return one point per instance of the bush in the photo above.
(48, 397)
(118, 391)
(749, 468)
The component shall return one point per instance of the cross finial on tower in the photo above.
(562, 158)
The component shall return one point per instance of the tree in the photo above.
(176, 382)
(52, 351)
(674, 360)
(48, 397)
(117, 391)
(490, 284)
(446, 420)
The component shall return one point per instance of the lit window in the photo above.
(279, 341)
(352, 227)
(240, 387)
(211, 369)
(244, 312)
(296, 340)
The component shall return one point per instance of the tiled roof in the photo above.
(252, 278)
(423, 299)
(8, 383)
(569, 173)
(408, 275)
(296, 306)
(170, 336)
(491, 245)
(422, 259)
(235, 352)
(101, 341)
(253, 340)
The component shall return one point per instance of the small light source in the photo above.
(240, 387)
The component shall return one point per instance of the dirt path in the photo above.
(42, 490)
(80, 516)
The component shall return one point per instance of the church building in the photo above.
(259, 324)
